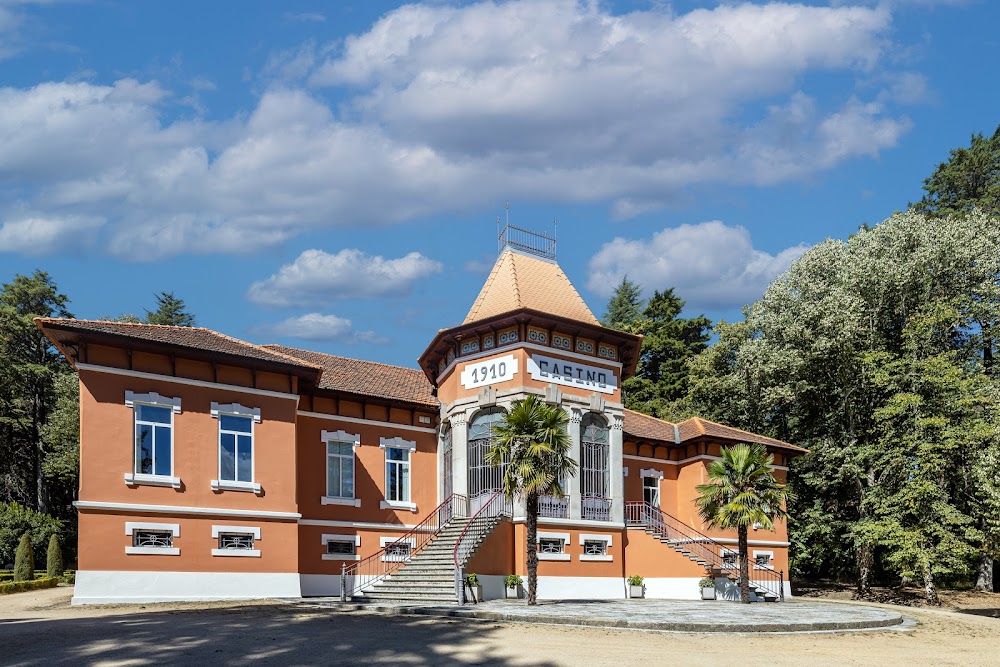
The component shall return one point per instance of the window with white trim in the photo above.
(397, 471)
(236, 446)
(730, 559)
(236, 541)
(763, 559)
(152, 538)
(340, 470)
(651, 486)
(596, 547)
(552, 546)
(341, 547)
(153, 436)
(397, 549)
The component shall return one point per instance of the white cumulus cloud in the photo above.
(317, 278)
(711, 265)
(321, 328)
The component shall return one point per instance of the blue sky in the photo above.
(328, 175)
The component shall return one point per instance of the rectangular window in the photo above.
(730, 559)
(340, 470)
(235, 448)
(397, 474)
(398, 550)
(550, 546)
(236, 541)
(153, 440)
(341, 548)
(159, 539)
(762, 559)
(651, 491)
(595, 548)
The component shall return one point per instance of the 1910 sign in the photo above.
(489, 371)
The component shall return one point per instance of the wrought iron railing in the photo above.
(355, 577)
(703, 547)
(553, 507)
(481, 523)
(596, 508)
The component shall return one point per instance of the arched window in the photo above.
(595, 468)
(483, 477)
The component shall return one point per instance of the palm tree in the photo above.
(742, 492)
(533, 441)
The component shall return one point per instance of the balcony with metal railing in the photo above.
(553, 507)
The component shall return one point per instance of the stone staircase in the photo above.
(429, 576)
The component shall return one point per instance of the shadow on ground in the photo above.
(266, 635)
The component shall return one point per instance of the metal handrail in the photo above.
(386, 560)
(702, 546)
(494, 509)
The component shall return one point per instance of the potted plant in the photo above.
(512, 586)
(707, 585)
(635, 587)
(472, 585)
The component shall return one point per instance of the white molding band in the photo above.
(651, 472)
(575, 523)
(699, 457)
(372, 422)
(341, 437)
(397, 443)
(254, 530)
(531, 346)
(153, 551)
(131, 526)
(235, 409)
(341, 537)
(401, 527)
(140, 479)
(594, 537)
(245, 553)
(152, 398)
(194, 383)
(181, 509)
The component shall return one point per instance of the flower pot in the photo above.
(708, 593)
(635, 591)
(512, 593)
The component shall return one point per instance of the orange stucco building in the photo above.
(215, 468)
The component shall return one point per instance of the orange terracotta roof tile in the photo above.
(193, 338)
(367, 378)
(645, 427)
(522, 281)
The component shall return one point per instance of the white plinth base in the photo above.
(115, 587)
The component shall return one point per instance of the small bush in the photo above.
(706, 582)
(512, 581)
(69, 578)
(472, 580)
(22, 586)
(24, 560)
(54, 560)
(635, 580)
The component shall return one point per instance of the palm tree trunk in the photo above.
(744, 566)
(532, 522)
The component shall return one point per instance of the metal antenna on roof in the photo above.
(499, 238)
(555, 235)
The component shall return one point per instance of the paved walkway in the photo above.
(670, 615)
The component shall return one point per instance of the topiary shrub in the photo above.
(24, 560)
(21, 586)
(16, 520)
(54, 560)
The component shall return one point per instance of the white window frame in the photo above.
(342, 538)
(606, 557)
(386, 541)
(723, 552)
(398, 443)
(238, 530)
(342, 437)
(766, 552)
(236, 410)
(652, 473)
(173, 528)
(554, 536)
(155, 400)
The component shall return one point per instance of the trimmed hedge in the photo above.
(22, 586)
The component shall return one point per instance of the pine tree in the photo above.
(169, 310)
(970, 179)
(24, 560)
(54, 559)
(624, 307)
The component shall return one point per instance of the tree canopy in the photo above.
(969, 179)
(170, 310)
(624, 307)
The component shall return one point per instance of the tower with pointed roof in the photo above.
(530, 333)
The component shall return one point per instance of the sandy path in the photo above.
(41, 629)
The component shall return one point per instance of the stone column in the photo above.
(575, 482)
(617, 476)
